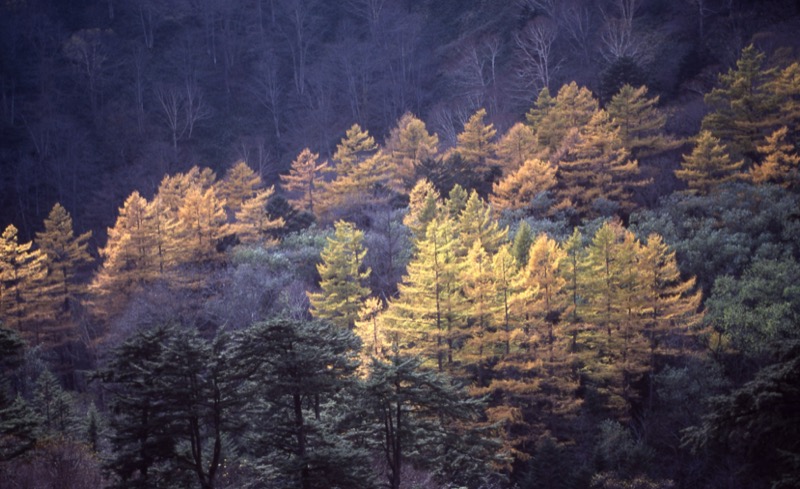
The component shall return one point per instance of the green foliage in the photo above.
(759, 423)
(342, 277)
(721, 234)
(759, 310)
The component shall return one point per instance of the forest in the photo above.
(534, 244)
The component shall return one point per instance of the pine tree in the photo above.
(523, 239)
(22, 270)
(517, 189)
(55, 406)
(19, 424)
(303, 180)
(708, 166)
(475, 143)
(639, 121)
(408, 145)
(342, 277)
(253, 222)
(65, 255)
(240, 184)
(780, 163)
(421, 417)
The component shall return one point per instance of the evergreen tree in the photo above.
(708, 166)
(573, 108)
(19, 424)
(304, 179)
(355, 147)
(22, 271)
(523, 239)
(305, 371)
(476, 224)
(541, 108)
(65, 255)
(420, 418)
(342, 277)
(55, 406)
(517, 189)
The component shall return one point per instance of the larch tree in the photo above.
(429, 313)
(303, 180)
(708, 166)
(742, 107)
(201, 224)
(541, 108)
(476, 224)
(130, 257)
(65, 254)
(342, 277)
(573, 108)
(482, 343)
(253, 223)
(476, 143)
(22, 270)
(616, 344)
(408, 145)
(596, 168)
(423, 207)
(240, 184)
(780, 162)
(639, 121)
(356, 146)
(671, 303)
(517, 189)
(515, 147)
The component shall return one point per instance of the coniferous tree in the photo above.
(639, 121)
(304, 180)
(19, 424)
(305, 370)
(595, 168)
(708, 166)
(55, 406)
(780, 163)
(22, 270)
(65, 255)
(240, 184)
(475, 143)
(408, 145)
(517, 189)
(429, 313)
(342, 277)
(742, 107)
(573, 108)
(517, 146)
(423, 207)
(476, 224)
(420, 418)
(201, 224)
(355, 147)
(253, 222)
(523, 239)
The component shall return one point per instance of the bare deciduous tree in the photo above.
(535, 44)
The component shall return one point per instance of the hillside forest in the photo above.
(400, 243)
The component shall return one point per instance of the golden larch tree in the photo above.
(708, 166)
(303, 180)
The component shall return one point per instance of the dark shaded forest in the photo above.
(396, 243)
